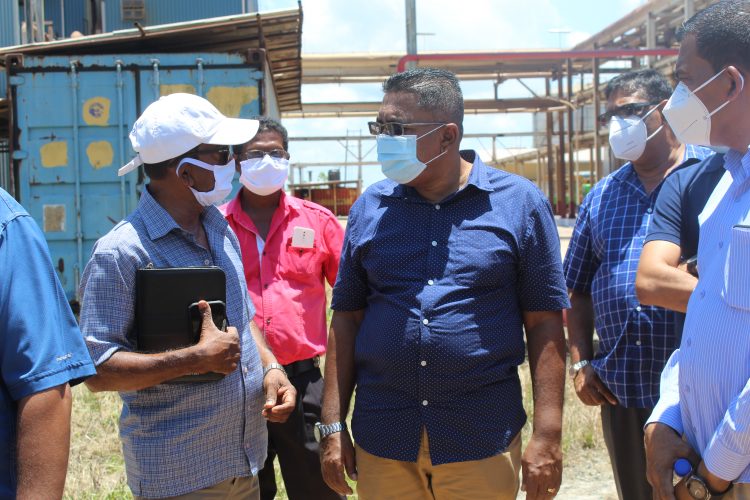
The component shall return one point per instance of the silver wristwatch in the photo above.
(697, 488)
(325, 430)
(576, 367)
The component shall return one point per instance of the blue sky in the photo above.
(336, 26)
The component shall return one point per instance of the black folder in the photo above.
(163, 299)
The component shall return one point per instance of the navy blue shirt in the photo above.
(40, 344)
(682, 198)
(443, 288)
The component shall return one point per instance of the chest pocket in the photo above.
(481, 258)
(300, 261)
(737, 273)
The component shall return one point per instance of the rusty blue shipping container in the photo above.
(72, 116)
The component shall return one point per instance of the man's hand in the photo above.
(590, 389)
(281, 396)
(542, 467)
(218, 351)
(337, 455)
(663, 447)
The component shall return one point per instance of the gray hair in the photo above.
(437, 91)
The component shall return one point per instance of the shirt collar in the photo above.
(159, 223)
(477, 178)
(738, 164)
(233, 209)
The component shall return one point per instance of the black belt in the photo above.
(302, 366)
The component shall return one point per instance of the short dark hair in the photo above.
(722, 33)
(437, 91)
(268, 124)
(648, 83)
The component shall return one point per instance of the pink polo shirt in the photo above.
(286, 284)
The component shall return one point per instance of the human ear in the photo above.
(449, 135)
(738, 82)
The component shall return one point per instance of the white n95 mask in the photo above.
(628, 136)
(264, 176)
(688, 116)
(223, 175)
(397, 155)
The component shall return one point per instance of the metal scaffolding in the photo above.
(570, 152)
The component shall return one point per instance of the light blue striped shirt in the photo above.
(705, 387)
(177, 438)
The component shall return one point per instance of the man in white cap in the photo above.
(195, 440)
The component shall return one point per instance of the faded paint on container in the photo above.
(168, 11)
(67, 160)
(338, 200)
(10, 24)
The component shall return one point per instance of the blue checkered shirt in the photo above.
(602, 259)
(177, 438)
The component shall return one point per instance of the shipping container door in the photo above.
(72, 126)
(73, 116)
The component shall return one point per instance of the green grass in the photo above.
(96, 469)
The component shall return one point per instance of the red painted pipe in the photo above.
(515, 56)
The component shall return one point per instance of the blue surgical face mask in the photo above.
(398, 156)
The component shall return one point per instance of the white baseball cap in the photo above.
(177, 123)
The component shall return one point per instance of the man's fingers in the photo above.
(205, 309)
(333, 473)
(605, 393)
(350, 464)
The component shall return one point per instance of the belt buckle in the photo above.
(316, 361)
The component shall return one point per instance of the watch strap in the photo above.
(326, 430)
(272, 366)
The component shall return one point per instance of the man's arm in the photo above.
(43, 443)
(542, 459)
(216, 351)
(660, 282)
(281, 396)
(336, 450)
(589, 388)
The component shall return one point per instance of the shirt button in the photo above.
(430, 282)
(425, 321)
(423, 363)
(206, 262)
(425, 403)
(639, 308)
(687, 388)
(244, 370)
(689, 342)
(268, 321)
(265, 286)
(721, 244)
(434, 243)
(703, 293)
(437, 207)
(649, 210)
(637, 342)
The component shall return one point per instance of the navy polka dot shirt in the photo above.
(443, 287)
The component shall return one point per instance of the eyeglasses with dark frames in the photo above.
(395, 128)
(631, 109)
(255, 154)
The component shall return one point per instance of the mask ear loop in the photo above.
(431, 131)
(644, 122)
(197, 163)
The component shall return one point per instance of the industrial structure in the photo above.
(568, 151)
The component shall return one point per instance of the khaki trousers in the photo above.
(235, 488)
(490, 478)
(740, 491)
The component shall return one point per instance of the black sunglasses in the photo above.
(222, 153)
(395, 128)
(255, 154)
(632, 109)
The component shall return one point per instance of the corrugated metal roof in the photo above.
(280, 33)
